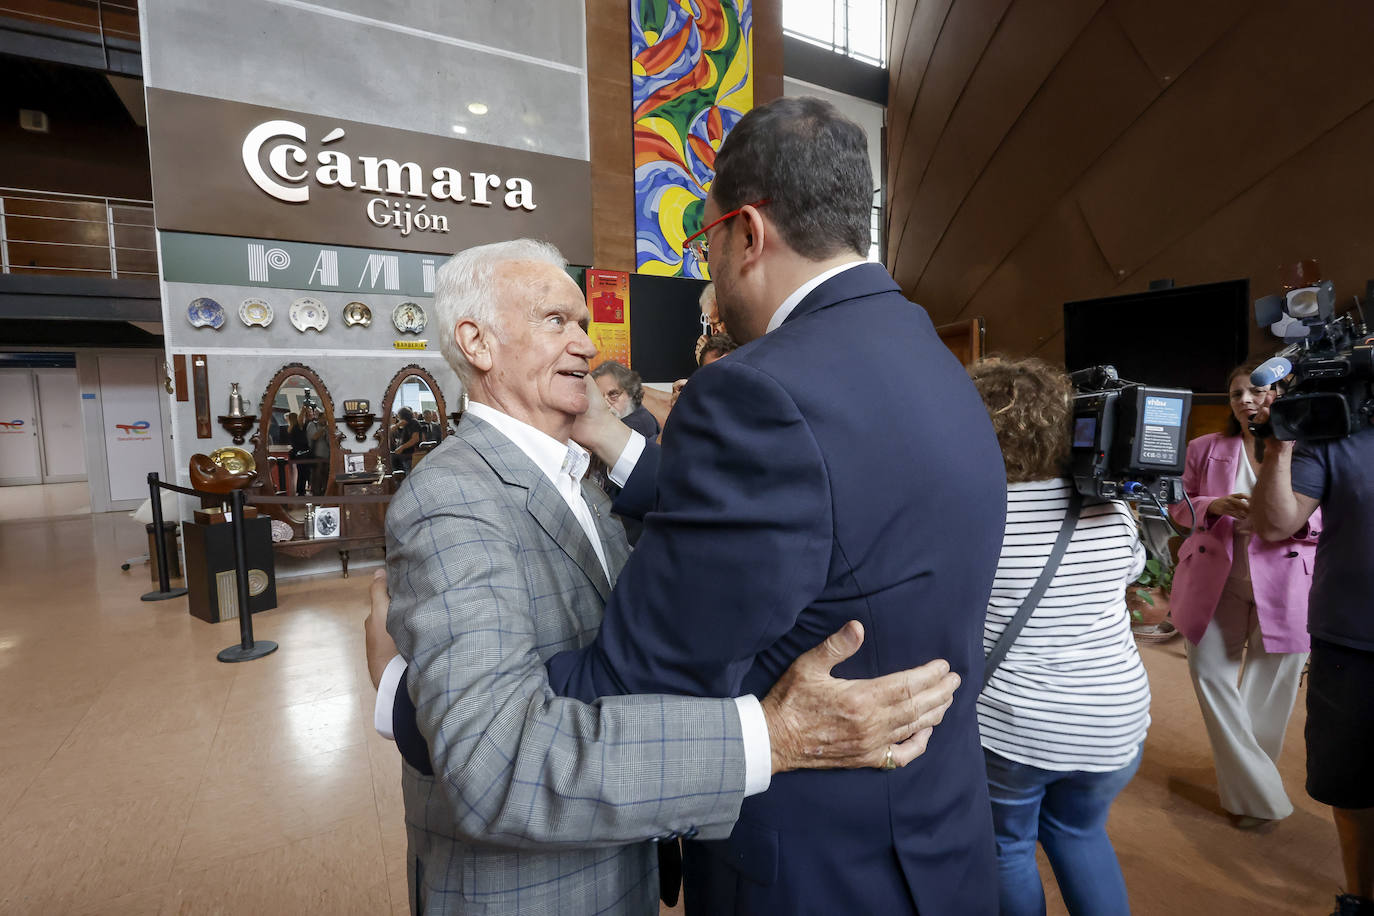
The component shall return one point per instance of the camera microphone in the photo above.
(1270, 371)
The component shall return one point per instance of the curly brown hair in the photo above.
(1031, 405)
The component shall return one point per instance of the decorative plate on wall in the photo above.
(357, 313)
(256, 313)
(205, 313)
(409, 318)
(309, 314)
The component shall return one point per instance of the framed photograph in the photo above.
(327, 522)
(355, 464)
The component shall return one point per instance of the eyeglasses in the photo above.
(699, 245)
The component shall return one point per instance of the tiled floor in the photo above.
(45, 501)
(139, 775)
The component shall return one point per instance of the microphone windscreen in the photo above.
(1271, 371)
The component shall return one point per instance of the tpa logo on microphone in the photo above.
(137, 429)
(11, 426)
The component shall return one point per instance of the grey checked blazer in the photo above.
(539, 804)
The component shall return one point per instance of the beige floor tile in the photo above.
(141, 902)
(91, 768)
(29, 736)
(337, 871)
(276, 805)
(262, 740)
(15, 779)
(52, 500)
(400, 895)
(66, 858)
(289, 681)
(148, 710)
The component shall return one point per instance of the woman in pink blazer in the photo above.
(1234, 595)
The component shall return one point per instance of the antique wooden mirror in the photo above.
(415, 419)
(297, 445)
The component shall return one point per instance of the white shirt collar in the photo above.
(800, 293)
(554, 458)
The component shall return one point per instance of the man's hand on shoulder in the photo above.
(380, 646)
(816, 721)
(598, 430)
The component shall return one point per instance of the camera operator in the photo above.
(1334, 475)
(1063, 716)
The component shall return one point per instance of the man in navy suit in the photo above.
(839, 465)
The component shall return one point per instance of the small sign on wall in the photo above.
(608, 299)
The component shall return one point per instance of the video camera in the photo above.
(1128, 438)
(1329, 364)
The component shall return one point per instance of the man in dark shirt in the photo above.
(409, 436)
(624, 392)
(1293, 482)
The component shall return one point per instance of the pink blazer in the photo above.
(1281, 572)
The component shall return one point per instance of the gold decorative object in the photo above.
(234, 460)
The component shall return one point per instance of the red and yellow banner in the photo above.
(608, 299)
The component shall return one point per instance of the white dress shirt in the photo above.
(564, 463)
(800, 293)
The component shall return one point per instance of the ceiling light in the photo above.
(477, 108)
(459, 129)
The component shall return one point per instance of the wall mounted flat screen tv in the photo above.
(1185, 337)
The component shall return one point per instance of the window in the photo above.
(875, 228)
(852, 27)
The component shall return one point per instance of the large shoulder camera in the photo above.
(1329, 365)
(1128, 438)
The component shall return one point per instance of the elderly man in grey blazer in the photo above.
(500, 556)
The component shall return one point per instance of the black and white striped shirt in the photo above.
(1071, 693)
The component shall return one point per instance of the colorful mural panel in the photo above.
(693, 79)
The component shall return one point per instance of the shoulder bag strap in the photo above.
(999, 651)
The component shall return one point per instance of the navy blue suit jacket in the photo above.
(841, 467)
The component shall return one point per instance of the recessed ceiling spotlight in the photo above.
(477, 108)
(459, 129)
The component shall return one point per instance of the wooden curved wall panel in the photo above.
(1045, 152)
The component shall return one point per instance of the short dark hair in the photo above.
(719, 344)
(1031, 405)
(627, 379)
(405, 413)
(811, 163)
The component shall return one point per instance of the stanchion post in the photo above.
(164, 581)
(247, 649)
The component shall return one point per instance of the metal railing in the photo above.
(43, 232)
(91, 16)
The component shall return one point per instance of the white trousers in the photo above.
(1246, 699)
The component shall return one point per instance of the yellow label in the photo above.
(411, 344)
(608, 300)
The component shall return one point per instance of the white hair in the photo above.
(467, 288)
(708, 294)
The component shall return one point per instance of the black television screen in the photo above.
(1185, 337)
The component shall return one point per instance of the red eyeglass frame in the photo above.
(687, 242)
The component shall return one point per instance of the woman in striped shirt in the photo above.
(1064, 716)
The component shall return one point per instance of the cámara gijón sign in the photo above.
(283, 148)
